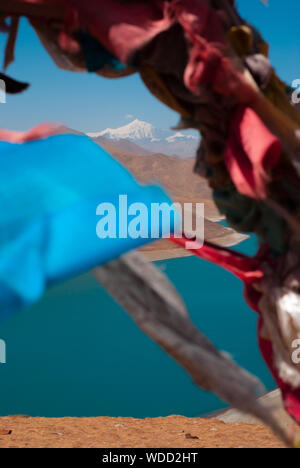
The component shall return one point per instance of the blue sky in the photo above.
(87, 102)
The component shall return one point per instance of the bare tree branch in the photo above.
(156, 307)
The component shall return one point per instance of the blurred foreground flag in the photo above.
(66, 206)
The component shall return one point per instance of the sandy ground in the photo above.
(228, 429)
(169, 432)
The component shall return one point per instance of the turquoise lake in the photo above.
(77, 353)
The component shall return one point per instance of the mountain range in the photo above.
(143, 138)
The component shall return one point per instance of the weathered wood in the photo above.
(272, 399)
(149, 298)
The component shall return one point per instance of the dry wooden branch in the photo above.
(156, 307)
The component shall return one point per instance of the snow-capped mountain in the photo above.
(136, 130)
(152, 139)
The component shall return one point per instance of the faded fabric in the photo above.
(251, 152)
(251, 271)
(124, 29)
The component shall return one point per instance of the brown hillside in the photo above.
(177, 177)
(173, 173)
